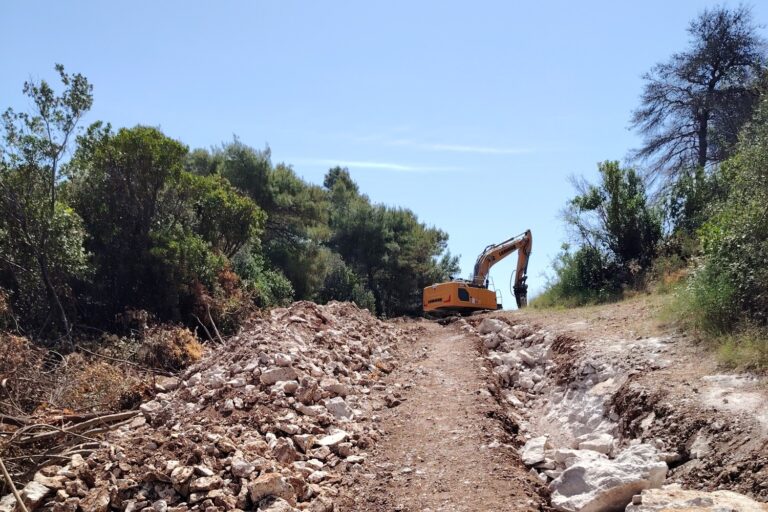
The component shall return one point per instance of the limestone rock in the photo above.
(534, 450)
(490, 325)
(274, 505)
(333, 439)
(658, 500)
(274, 375)
(601, 443)
(593, 485)
(339, 408)
(271, 484)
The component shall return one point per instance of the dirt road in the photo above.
(615, 371)
(444, 448)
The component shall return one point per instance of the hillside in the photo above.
(326, 408)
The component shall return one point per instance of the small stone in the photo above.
(333, 439)
(271, 484)
(205, 483)
(273, 375)
(533, 450)
(317, 477)
(241, 468)
(339, 408)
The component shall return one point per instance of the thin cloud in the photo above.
(366, 164)
(447, 148)
(461, 148)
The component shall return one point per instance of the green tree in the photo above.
(732, 282)
(395, 254)
(41, 237)
(118, 186)
(222, 216)
(694, 105)
(614, 216)
(343, 284)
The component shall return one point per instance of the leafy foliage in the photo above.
(617, 232)
(732, 283)
(694, 105)
(136, 223)
(585, 277)
(41, 238)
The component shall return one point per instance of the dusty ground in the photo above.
(427, 424)
(447, 446)
(444, 448)
(676, 391)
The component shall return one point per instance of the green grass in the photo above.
(746, 349)
(704, 308)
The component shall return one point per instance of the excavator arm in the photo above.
(497, 252)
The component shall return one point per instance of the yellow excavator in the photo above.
(466, 296)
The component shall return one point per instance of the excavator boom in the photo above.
(474, 295)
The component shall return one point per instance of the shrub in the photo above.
(584, 277)
(169, 347)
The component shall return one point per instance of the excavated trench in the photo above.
(600, 438)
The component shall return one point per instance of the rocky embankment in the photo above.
(563, 400)
(270, 421)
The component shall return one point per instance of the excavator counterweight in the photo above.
(466, 296)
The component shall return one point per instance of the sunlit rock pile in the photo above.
(570, 441)
(268, 422)
(561, 401)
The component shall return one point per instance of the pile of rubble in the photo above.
(570, 439)
(268, 422)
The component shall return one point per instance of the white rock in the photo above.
(333, 439)
(526, 357)
(568, 457)
(242, 468)
(273, 375)
(317, 477)
(492, 341)
(699, 446)
(339, 408)
(151, 408)
(490, 325)
(311, 410)
(275, 505)
(534, 450)
(600, 442)
(34, 493)
(602, 484)
(654, 500)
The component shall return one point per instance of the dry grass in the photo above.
(169, 347)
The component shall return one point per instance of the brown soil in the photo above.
(444, 448)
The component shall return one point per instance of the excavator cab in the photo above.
(467, 296)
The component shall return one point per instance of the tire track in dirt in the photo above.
(443, 449)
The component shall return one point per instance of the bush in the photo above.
(169, 347)
(584, 277)
(267, 287)
(706, 302)
(343, 284)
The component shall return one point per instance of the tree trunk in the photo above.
(53, 297)
(702, 136)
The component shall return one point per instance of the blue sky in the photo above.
(472, 114)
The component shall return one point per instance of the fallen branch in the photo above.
(13, 420)
(207, 332)
(117, 360)
(79, 427)
(10, 483)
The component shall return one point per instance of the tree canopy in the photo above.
(135, 220)
(694, 105)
